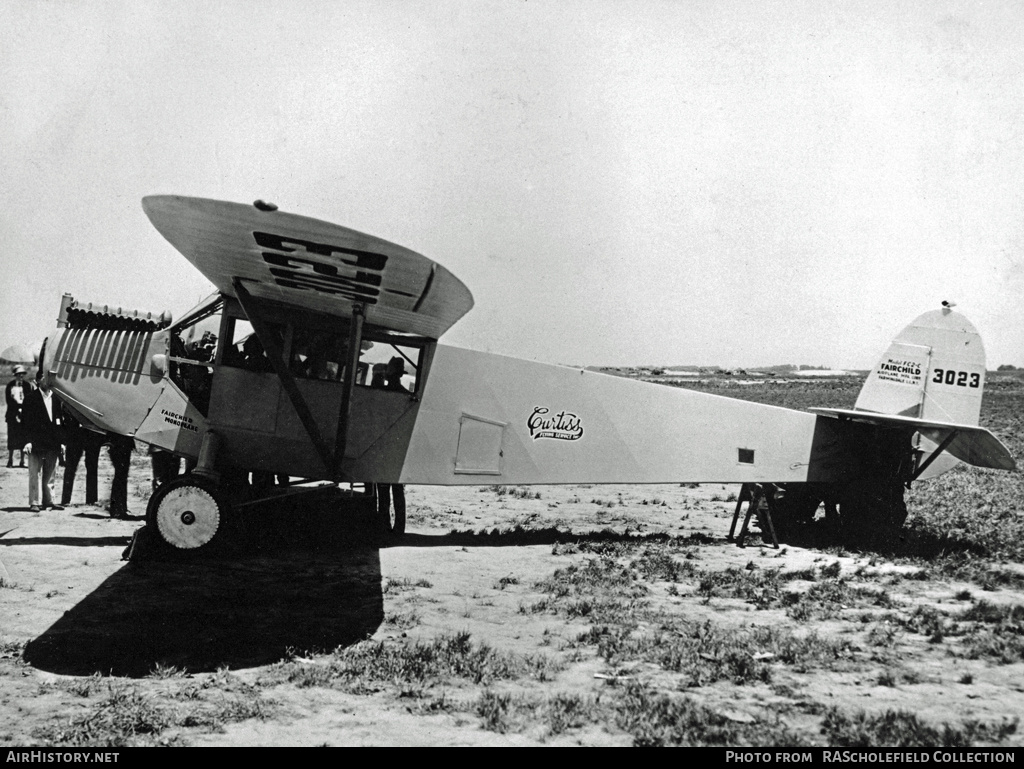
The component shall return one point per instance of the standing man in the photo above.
(386, 491)
(79, 441)
(43, 438)
(17, 390)
(120, 449)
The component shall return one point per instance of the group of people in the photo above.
(40, 427)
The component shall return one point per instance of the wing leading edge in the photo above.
(310, 264)
(968, 443)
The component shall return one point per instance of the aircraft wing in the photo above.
(311, 264)
(970, 443)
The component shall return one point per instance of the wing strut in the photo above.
(355, 339)
(932, 457)
(275, 353)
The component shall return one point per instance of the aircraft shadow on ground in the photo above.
(301, 582)
(65, 541)
(519, 537)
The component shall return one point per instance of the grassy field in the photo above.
(571, 616)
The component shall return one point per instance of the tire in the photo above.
(187, 515)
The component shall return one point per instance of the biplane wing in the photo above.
(307, 263)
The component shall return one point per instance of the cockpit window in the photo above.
(193, 349)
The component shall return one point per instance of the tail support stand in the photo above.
(759, 499)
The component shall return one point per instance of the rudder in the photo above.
(933, 370)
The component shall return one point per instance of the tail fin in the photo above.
(934, 370)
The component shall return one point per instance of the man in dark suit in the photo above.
(43, 438)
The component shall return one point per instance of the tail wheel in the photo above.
(188, 515)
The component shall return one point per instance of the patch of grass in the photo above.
(655, 565)
(399, 584)
(902, 729)
(515, 491)
(82, 687)
(11, 649)
(368, 664)
(563, 712)
(832, 570)
(761, 587)
(655, 719)
(882, 634)
(1010, 615)
(596, 575)
(1000, 647)
(824, 600)
(161, 671)
(493, 710)
(706, 653)
(402, 620)
(124, 717)
(504, 582)
(998, 632)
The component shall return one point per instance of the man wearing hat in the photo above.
(17, 390)
(43, 439)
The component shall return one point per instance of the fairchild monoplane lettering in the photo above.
(271, 375)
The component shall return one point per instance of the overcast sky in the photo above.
(735, 182)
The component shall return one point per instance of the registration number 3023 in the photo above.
(959, 378)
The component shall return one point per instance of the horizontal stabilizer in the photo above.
(971, 444)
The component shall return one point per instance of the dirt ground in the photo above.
(237, 649)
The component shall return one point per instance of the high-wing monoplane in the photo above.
(277, 373)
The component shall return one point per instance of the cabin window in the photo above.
(746, 456)
(387, 364)
(246, 350)
(318, 354)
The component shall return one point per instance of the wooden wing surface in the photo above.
(311, 264)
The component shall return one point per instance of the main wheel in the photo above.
(187, 514)
(794, 506)
(872, 512)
